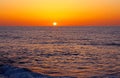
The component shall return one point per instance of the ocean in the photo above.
(81, 52)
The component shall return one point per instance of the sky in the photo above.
(64, 12)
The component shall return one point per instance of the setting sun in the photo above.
(54, 23)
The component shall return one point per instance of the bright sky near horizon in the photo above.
(64, 12)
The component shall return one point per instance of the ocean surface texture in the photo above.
(81, 52)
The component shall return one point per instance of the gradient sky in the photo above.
(64, 12)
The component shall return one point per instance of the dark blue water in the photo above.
(62, 51)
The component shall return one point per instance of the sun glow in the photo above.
(54, 23)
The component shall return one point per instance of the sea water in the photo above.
(62, 51)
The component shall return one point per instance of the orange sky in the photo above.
(64, 12)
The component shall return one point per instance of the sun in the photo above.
(54, 23)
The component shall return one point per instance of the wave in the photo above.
(7, 71)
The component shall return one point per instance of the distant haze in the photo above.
(64, 12)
